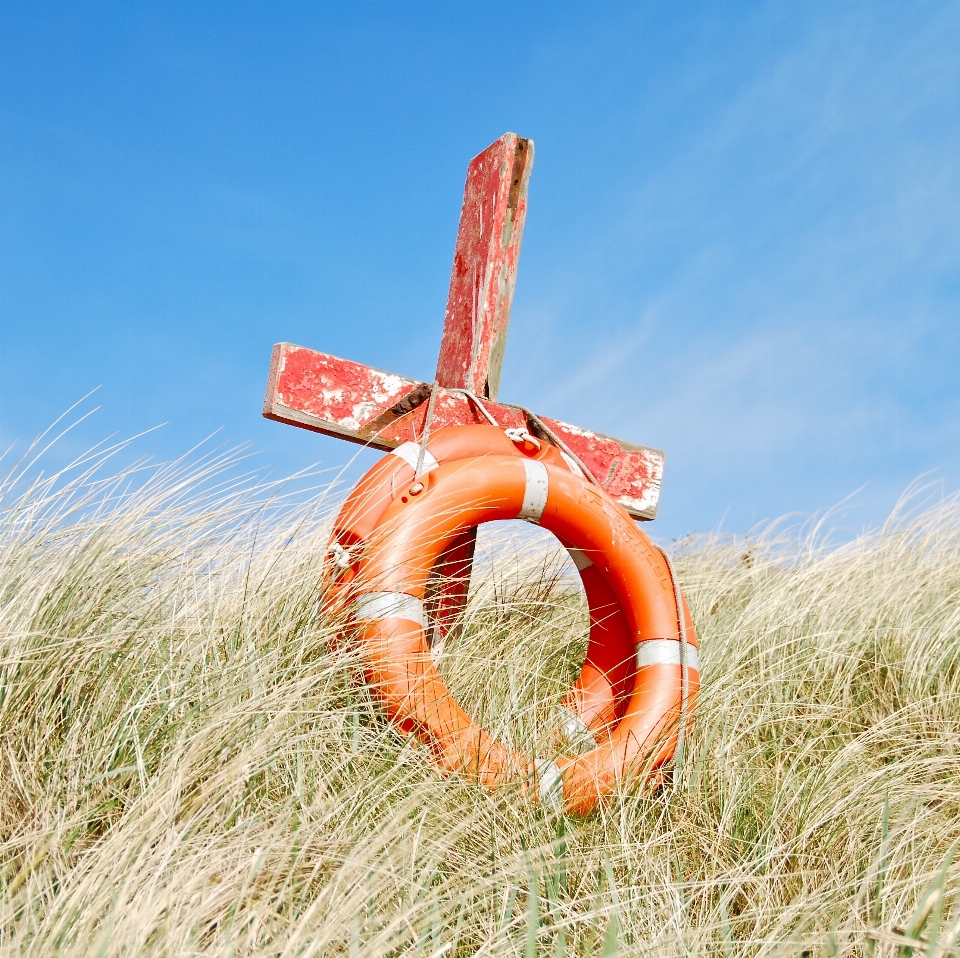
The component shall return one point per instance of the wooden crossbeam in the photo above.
(361, 404)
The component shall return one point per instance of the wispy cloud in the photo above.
(796, 270)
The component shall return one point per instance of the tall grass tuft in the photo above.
(189, 766)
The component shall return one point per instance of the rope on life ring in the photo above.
(639, 683)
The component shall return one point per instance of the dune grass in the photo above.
(189, 767)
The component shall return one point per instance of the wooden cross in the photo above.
(341, 398)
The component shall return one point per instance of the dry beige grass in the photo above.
(188, 768)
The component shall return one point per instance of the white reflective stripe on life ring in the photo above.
(409, 452)
(535, 490)
(666, 652)
(580, 559)
(551, 780)
(390, 605)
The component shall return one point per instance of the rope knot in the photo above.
(522, 436)
(341, 556)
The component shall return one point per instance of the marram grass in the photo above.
(188, 766)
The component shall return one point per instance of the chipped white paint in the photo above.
(390, 385)
(363, 412)
(577, 431)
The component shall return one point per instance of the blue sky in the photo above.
(742, 246)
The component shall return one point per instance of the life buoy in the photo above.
(389, 586)
(599, 694)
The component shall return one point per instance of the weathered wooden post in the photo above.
(338, 397)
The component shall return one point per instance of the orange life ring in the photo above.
(390, 584)
(600, 692)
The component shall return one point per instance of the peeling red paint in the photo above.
(342, 393)
(485, 266)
